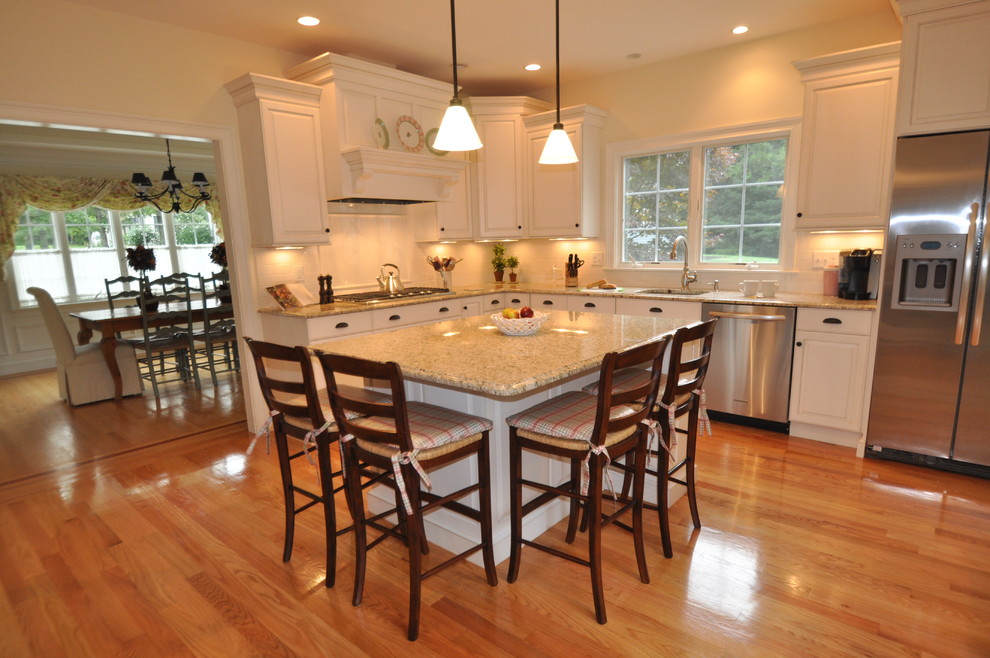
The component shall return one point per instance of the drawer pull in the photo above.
(395, 317)
(342, 325)
(516, 301)
(444, 309)
(547, 302)
(494, 302)
(656, 309)
(589, 305)
(831, 321)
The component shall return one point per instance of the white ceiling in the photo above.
(496, 38)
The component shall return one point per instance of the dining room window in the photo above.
(71, 253)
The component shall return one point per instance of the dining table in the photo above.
(468, 365)
(110, 322)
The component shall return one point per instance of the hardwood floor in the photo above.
(126, 532)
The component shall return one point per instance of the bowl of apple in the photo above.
(518, 322)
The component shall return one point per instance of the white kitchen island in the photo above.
(467, 365)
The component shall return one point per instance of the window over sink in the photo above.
(724, 190)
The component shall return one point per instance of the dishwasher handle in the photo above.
(747, 316)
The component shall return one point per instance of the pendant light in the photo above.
(456, 131)
(558, 149)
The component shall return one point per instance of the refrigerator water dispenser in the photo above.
(929, 271)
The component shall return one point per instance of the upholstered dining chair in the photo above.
(405, 440)
(83, 375)
(298, 414)
(590, 432)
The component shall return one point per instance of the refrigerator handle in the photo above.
(981, 288)
(967, 275)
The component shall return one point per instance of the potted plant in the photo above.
(512, 262)
(141, 259)
(498, 260)
(218, 256)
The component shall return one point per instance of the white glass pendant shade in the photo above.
(558, 149)
(456, 131)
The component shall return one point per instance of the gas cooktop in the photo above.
(375, 296)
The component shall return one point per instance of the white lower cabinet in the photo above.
(405, 316)
(517, 299)
(481, 305)
(591, 304)
(831, 355)
(548, 302)
(688, 311)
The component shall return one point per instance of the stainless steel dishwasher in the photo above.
(749, 379)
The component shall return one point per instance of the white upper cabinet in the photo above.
(564, 201)
(847, 138)
(946, 66)
(379, 126)
(280, 134)
(499, 167)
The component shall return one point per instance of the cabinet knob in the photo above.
(577, 226)
(326, 230)
(800, 214)
(519, 227)
(798, 343)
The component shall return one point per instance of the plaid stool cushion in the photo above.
(623, 380)
(365, 394)
(430, 426)
(568, 416)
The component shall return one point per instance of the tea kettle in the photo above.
(390, 283)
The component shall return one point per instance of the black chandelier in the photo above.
(173, 188)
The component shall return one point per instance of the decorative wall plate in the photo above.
(431, 136)
(381, 134)
(410, 134)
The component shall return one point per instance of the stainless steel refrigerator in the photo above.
(931, 385)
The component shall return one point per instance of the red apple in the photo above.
(525, 312)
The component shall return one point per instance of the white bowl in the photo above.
(519, 326)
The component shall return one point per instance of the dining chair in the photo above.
(83, 375)
(168, 351)
(298, 413)
(405, 440)
(218, 332)
(590, 432)
(122, 291)
(682, 393)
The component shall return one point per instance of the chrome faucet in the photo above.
(687, 276)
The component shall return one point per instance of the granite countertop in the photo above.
(801, 300)
(471, 354)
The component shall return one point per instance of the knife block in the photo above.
(570, 281)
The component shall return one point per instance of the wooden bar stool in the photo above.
(682, 393)
(590, 431)
(288, 385)
(405, 440)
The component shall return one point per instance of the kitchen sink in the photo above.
(670, 291)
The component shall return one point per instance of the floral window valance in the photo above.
(61, 194)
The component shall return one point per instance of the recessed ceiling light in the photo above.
(740, 29)
(308, 21)
(533, 67)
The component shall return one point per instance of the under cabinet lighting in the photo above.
(847, 230)
(288, 248)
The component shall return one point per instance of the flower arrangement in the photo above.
(141, 259)
(218, 255)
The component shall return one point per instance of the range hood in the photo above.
(380, 175)
(361, 106)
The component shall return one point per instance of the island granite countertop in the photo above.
(800, 300)
(471, 354)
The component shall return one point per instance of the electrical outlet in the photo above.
(596, 258)
(299, 275)
(822, 259)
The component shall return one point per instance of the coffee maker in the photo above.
(859, 274)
